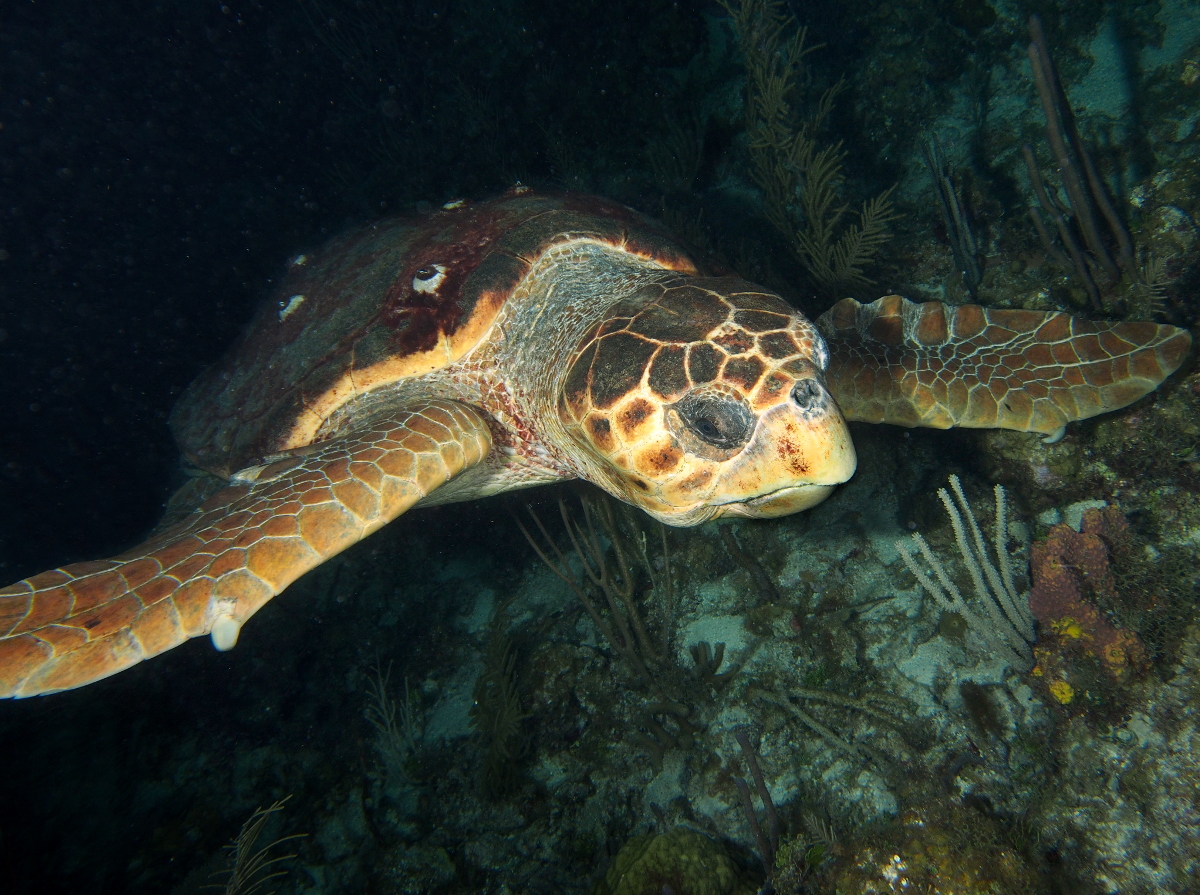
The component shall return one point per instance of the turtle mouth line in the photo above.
(785, 491)
(780, 502)
(768, 496)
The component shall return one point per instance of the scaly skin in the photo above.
(71, 626)
(932, 365)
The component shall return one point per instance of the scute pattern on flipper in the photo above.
(71, 626)
(896, 361)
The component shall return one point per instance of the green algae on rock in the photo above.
(686, 862)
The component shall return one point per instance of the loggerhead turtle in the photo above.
(524, 340)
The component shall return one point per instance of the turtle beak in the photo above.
(783, 502)
(801, 450)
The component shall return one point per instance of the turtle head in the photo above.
(706, 399)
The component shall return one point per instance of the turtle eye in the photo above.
(717, 420)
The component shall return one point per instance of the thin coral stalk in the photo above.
(252, 868)
(1006, 621)
(623, 627)
(760, 783)
(1085, 190)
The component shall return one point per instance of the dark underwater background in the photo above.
(160, 162)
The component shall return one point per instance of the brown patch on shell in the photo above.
(736, 341)
(743, 372)
(668, 378)
(660, 460)
(703, 363)
(618, 367)
(601, 432)
(632, 415)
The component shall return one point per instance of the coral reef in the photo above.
(1123, 816)
(931, 849)
(1071, 579)
(679, 860)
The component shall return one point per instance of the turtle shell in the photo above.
(386, 302)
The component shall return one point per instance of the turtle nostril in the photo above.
(807, 394)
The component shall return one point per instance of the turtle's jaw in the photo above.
(795, 457)
(783, 502)
(794, 462)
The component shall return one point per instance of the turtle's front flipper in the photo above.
(894, 361)
(71, 626)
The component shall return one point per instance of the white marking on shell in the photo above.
(822, 351)
(287, 308)
(454, 203)
(247, 476)
(429, 278)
